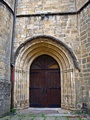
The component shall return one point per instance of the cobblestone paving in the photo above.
(44, 115)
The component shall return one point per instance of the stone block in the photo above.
(61, 118)
(39, 118)
(88, 59)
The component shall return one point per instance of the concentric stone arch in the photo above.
(27, 52)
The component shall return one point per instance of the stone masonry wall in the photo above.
(80, 3)
(6, 24)
(84, 32)
(74, 30)
(40, 6)
(71, 29)
(10, 3)
(62, 27)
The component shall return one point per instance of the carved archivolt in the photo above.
(27, 53)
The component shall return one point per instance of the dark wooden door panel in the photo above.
(53, 87)
(34, 99)
(36, 88)
(52, 77)
(45, 83)
(54, 98)
(37, 78)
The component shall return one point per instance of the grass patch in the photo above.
(67, 118)
(32, 115)
(13, 110)
(42, 115)
(21, 115)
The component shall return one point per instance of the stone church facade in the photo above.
(59, 29)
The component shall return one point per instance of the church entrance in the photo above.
(45, 88)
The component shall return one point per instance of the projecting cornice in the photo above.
(55, 13)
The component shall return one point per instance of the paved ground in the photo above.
(45, 114)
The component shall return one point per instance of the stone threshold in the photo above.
(31, 108)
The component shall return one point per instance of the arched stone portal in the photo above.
(28, 52)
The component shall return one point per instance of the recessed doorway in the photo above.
(45, 87)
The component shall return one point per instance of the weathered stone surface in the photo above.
(39, 6)
(55, 26)
(61, 118)
(79, 3)
(5, 97)
(88, 59)
(10, 3)
(6, 23)
(73, 30)
(39, 118)
(85, 56)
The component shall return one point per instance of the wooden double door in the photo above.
(45, 90)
